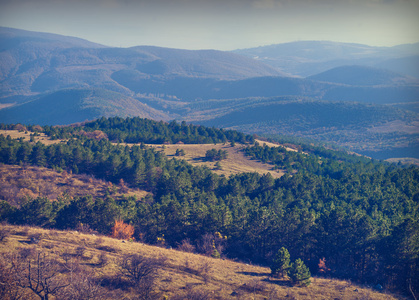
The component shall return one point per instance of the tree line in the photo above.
(139, 130)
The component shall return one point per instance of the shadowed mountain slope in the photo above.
(362, 76)
(306, 58)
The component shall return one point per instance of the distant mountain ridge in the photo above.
(362, 76)
(52, 79)
(307, 58)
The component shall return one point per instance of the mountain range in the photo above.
(361, 97)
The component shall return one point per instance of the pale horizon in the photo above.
(220, 25)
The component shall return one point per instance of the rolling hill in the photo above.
(57, 80)
(307, 58)
(369, 129)
(74, 105)
(362, 76)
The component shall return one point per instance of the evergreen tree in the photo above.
(281, 263)
(299, 273)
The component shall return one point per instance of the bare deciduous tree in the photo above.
(35, 271)
(83, 285)
(141, 272)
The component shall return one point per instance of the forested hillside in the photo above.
(357, 216)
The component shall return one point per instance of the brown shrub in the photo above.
(102, 259)
(254, 286)
(83, 284)
(186, 246)
(204, 270)
(20, 127)
(106, 248)
(122, 231)
(37, 128)
(85, 228)
(80, 251)
(4, 233)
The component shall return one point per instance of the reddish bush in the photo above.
(122, 231)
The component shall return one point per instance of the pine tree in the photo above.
(281, 263)
(299, 273)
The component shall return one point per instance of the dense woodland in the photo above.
(138, 130)
(356, 218)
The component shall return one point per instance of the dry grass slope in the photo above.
(235, 163)
(26, 135)
(180, 274)
(19, 182)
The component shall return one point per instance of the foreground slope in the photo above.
(180, 275)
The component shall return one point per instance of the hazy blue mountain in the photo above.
(308, 58)
(363, 76)
(37, 62)
(52, 79)
(405, 65)
(69, 106)
(202, 64)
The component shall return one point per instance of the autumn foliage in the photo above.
(122, 231)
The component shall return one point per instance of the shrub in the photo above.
(254, 286)
(186, 246)
(214, 155)
(204, 270)
(122, 231)
(4, 233)
(80, 251)
(102, 259)
(35, 271)
(215, 254)
(180, 152)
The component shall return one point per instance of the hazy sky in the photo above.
(218, 24)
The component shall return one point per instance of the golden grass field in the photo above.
(15, 134)
(182, 272)
(235, 163)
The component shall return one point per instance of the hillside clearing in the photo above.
(235, 163)
(26, 135)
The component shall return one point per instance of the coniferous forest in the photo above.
(355, 217)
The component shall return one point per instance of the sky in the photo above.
(218, 24)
